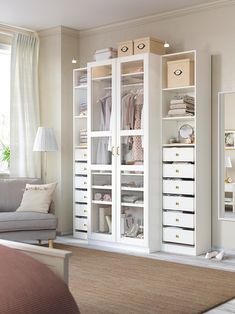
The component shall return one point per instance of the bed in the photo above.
(34, 280)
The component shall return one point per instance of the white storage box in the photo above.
(104, 54)
(180, 73)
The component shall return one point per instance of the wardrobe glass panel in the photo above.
(101, 150)
(101, 107)
(132, 150)
(132, 96)
(132, 204)
(101, 206)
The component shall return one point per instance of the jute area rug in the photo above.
(105, 283)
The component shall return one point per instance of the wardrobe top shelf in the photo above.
(181, 89)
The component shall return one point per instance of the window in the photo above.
(5, 61)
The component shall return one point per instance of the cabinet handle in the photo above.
(177, 236)
(177, 204)
(85, 155)
(177, 187)
(177, 154)
(177, 171)
(84, 197)
(85, 183)
(84, 225)
(118, 150)
(177, 219)
(85, 211)
(113, 150)
(85, 168)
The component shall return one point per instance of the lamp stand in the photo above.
(45, 167)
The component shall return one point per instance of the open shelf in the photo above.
(80, 86)
(178, 145)
(133, 204)
(101, 202)
(179, 118)
(102, 187)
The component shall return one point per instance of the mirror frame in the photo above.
(221, 154)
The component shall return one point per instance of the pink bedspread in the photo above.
(29, 287)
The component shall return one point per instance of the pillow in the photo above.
(37, 197)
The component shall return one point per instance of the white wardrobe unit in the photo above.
(186, 162)
(123, 152)
(80, 210)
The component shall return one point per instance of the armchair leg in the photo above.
(50, 244)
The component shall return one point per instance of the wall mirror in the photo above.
(226, 147)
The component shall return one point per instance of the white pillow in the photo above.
(37, 198)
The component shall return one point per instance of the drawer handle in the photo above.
(141, 46)
(177, 187)
(177, 204)
(85, 168)
(84, 225)
(85, 183)
(177, 171)
(177, 236)
(177, 219)
(177, 154)
(85, 155)
(84, 197)
(85, 211)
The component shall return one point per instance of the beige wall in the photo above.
(57, 47)
(212, 30)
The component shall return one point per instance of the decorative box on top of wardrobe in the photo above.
(123, 152)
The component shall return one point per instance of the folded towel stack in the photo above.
(83, 137)
(181, 105)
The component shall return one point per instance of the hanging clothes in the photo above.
(103, 154)
(138, 152)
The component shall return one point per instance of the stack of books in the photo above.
(83, 137)
(182, 105)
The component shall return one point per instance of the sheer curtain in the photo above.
(24, 113)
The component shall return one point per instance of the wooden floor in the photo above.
(228, 264)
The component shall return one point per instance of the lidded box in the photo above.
(125, 48)
(180, 73)
(148, 44)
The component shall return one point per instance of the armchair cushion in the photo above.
(26, 221)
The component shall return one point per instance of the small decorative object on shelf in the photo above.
(186, 134)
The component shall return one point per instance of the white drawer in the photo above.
(80, 168)
(80, 154)
(81, 210)
(80, 182)
(80, 235)
(178, 154)
(178, 235)
(178, 203)
(178, 170)
(178, 219)
(81, 196)
(81, 224)
(178, 187)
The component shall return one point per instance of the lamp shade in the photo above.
(45, 140)
(227, 162)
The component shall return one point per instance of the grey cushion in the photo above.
(11, 192)
(15, 221)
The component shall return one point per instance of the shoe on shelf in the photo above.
(220, 256)
(210, 255)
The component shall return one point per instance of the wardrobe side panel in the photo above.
(154, 153)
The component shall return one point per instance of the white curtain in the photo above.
(24, 112)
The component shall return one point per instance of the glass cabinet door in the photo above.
(101, 145)
(130, 143)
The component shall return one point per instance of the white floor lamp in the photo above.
(45, 141)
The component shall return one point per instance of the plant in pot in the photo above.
(5, 154)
